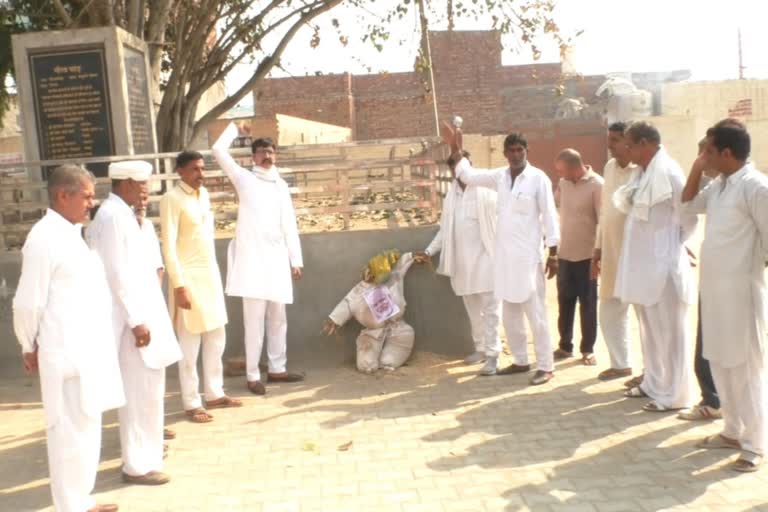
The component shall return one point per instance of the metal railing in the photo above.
(339, 180)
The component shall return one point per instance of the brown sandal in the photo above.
(588, 359)
(199, 415)
(224, 402)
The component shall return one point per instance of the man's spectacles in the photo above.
(266, 151)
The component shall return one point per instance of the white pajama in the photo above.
(264, 317)
(743, 401)
(74, 443)
(141, 419)
(517, 338)
(667, 350)
(483, 311)
(614, 324)
(213, 370)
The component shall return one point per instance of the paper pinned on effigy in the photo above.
(381, 303)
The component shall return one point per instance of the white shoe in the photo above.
(474, 358)
(490, 367)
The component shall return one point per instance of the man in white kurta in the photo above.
(62, 314)
(140, 321)
(613, 314)
(466, 241)
(526, 216)
(195, 293)
(654, 272)
(733, 290)
(262, 257)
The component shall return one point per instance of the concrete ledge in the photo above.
(333, 262)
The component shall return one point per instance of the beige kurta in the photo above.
(610, 230)
(190, 258)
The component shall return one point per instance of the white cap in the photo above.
(136, 170)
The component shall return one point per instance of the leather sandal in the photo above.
(224, 402)
(199, 415)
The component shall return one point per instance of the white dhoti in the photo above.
(614, 324)
(141, 419)
(260, 318)
(742, 391)
(536, 312)
(74, 443)
(667, 350)
(213, 370)
(483, 312)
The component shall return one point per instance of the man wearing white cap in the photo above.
(140, 320)
(262, 257)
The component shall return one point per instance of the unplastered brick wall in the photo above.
(469, 81)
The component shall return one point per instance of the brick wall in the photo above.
(469, 81)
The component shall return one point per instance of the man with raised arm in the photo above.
(526, 221)
(262, 257)
(733, 290)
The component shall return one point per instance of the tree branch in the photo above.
(262, 69)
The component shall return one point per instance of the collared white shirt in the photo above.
(733, 255)
(652, 250)
(266, 243)
(473, 264)
(63, 308)
(526, 217)
(132, 275)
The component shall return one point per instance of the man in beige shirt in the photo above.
(614, 314)
(196, 297)
(578, 196)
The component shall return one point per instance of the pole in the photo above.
(427, 54)
(741, 61)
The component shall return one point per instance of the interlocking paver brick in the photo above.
(430, 437)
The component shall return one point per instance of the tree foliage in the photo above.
(195, 44)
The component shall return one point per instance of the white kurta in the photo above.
(266, 243)
(132, 275)
(652, 250)
(610, 229)
(380, 344)
(155, 257)
(466, 239)
(526, 216)
(654, 274)
(62, 307)
(733, 255)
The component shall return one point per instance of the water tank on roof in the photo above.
(642, 103)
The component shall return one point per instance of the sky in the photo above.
(618, 35)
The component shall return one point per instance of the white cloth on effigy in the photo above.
(385, 341)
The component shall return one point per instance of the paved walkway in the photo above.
(430, 437)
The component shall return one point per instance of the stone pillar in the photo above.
(83, 93)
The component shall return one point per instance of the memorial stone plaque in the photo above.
(138, 101)
(72, 105)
